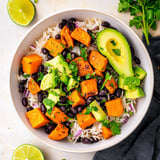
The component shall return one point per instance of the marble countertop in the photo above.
(12, 130)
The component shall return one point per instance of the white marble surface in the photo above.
(12, 130)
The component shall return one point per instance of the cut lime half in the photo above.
(27, 152)
(21, 12)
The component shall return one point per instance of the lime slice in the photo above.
(27, 152)
(21, 12)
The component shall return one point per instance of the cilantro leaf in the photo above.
(41, 75)
(26, 75)
(83, 53)
(69, 56)
(49, 104)
(115, 128)
(113, 42)
(107, 77)
(117, 52)
(88, 76)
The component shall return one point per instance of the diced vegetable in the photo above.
(54, 47)
(31, 63)
(89, 88)
(85, 120)
(37, 118)
(76, 99)
(57, 116)
(84, 67)
(59, 133)
(114, 107)
(81, 36)
(139, 72)
(106, 132)
(33, 87)
(66, 38)
(99, 73)
(98, 61)
(72, 83)
(111, 85)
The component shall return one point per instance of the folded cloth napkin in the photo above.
(144, 142)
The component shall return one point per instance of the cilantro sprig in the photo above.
(107, 77)
(83, 53)
(145, 14)
(89, 109)
(41, 75)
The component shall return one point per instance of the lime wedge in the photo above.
(21, 12)
(27, 152)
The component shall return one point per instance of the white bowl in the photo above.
(143, 103)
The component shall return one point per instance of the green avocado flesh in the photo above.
(137, 93)
(139, 73)
(99, 114)
(115, 47)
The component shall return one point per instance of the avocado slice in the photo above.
(115, 47)
(99, 114)
(137, 93)
(72, 83)
(49, 81)
(139, 72)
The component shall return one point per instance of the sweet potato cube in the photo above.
(114, 107)
(106, 132)
(84, 67)
(66, 38)
(111, 85)
(37, 118)
(76, 98)
(31, 63)
(89, 88)
(81, 36)
(57, 116)
(54, 47)
(59, 133)
(33, 87)
(85, 120)
(98, 61)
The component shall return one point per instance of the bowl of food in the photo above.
(81, 84)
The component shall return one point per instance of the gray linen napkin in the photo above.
(144, 142)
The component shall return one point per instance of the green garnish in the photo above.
(89, 109)
(117, 52)
(41, 75)
(112, 85)
(49, 104)
(26, 75)
(69, 56)
(83, 53)
(107, 77)
(35, 1)
(92, 36)
(69, 102)
(113, 42)
(145, 14)
(71, 125)
(63, 45)
(70, 47)
(88, 76)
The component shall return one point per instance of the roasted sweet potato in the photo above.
(59, 133)
(84, 67)
(99, 73)
(84, 120)
(89, 88)
(31, 63)
(114, 107)
(37, 118)
(106, 132)
(66, 38)
(81, 36)
(111, 85)
(57, 116)
(54, 46)
(33, 86)
(76, 98)
(98, 61)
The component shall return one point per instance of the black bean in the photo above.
(70, 114)
(132, 51)
(137, 60)
(86, 141)
(73, 55)
(43, 108)
(74, 111)
(63, 100)
(79, 109)
(113, 27)
(82, 79)
(73, 19)
(63, 109)
(21, 88)
(89, 100)
(64, 21)
(23, 82)
(102, 98)
(61, 25)
(45, 51)
(89, 126)
(24, 101)
(49, 57)
(67, 124)
(112, 96)
(51, 127)
(57, 36)
(41, 68)
(29, 109)
(89, 31)
(109, 71)
(65, 88)
(105, 24)
(79, 139)
(92, 40)
(93, 140)
(118, 92)
(21, 71)
(35, 76)
(46, 130)
(65, 52)
(69, 25)
(57, 87)
(100, 81)
(40, 97)
(102, 93)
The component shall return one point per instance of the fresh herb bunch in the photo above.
(145, 12)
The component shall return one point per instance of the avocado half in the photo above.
(115, 47)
